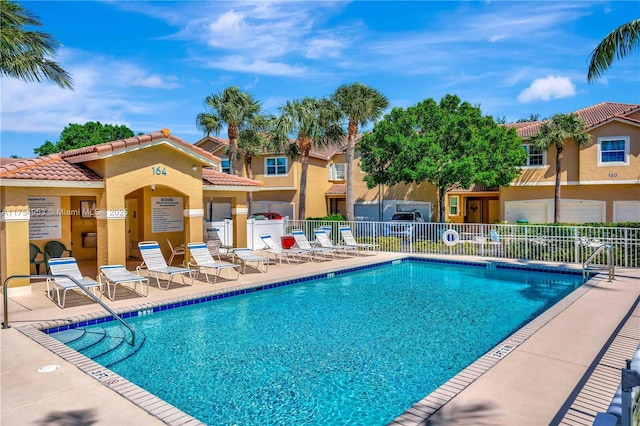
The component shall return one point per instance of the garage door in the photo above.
(531, 211)
(626, 211)
(367, 212)
(582, 211)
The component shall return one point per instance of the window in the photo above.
(453, 205)
(613, 151)
(226, 166)
(337, 171)
(535, 156)
(276, 166)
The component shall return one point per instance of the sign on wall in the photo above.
(45, 218)
(166, 214)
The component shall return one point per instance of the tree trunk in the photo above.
(556, 196)
(441, 194)
(305, 147)
(351, 141)
(380, 204)
(248, 159)
(232, 132)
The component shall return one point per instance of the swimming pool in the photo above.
(367, 344)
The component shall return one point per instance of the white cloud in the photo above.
(98, 95)
(550, 87)
(258, 66)
(324, 48)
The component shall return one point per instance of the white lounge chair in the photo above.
(276, 249)
(67, 266)
(154, 263)
(303, 243)
(349, 240)
(203, 261)
(326, 243)
(245, 255)
(118, 274)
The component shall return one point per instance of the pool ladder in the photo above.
(610, 266)
(5, 289)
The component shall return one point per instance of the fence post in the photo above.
(576, 245)
(626, 248)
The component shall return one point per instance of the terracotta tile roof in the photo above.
(95, 152)
(337, 189)
(213, 177)
(593, 116)
(50, 167)
(600, 113)
(6, 160)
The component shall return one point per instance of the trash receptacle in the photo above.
(89, 239)
(287, 241)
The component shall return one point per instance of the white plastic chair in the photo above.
(118, 274)
(349, 240)
(245, 255)
(325, 242)
(303, 243)
(176, 251)
(280, 253)
(203, 261)
(67, 266)
(154, 263)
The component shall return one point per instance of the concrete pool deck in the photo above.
(538, 382)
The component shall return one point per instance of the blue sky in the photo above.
(150, 64)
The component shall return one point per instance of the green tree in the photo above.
(531, 118)
(252, 142)
(359, 104)
(80, 135)
(618, 43)
(231, 107)
(556, 132)
(448, 144)
(25, 55)
(314, 123)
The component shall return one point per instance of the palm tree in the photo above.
(618, 43)
(315, 124)
(252, 142)
(359, 104)
(234, 108)
(556, 131)
(24, 55)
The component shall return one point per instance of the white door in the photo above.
(131, 224)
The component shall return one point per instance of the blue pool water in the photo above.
(358, 348)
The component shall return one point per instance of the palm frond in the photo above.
(617, 44)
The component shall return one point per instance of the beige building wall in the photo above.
(590, 170)
(582, 177)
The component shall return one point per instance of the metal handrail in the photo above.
(610, 264)
(5, 323)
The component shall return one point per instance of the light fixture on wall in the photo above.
(194, 168)
(153, 187)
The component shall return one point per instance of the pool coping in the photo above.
(417, 413)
